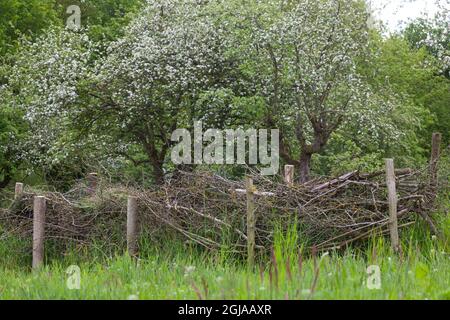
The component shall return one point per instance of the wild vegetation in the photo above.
(176, 270)
(106, 98)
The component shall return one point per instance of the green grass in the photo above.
(181, 271)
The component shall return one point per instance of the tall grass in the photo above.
(179, 270)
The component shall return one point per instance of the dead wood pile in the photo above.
(207, 209)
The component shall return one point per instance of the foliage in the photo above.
(12, 132)
(63, 58)
(104, 18)
(20, 17)
(52, 149)
(433, 34)
(312, 69)
(302, 59)
(136, 93)
(430, 85)
(107, 97)
(412, 75)
(179, 271)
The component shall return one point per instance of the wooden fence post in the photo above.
(132, 226)
(392, 198)
(251, 221)
(92, 181)
(289, 175)
(39, 208)
(18, 190)
(435, 149)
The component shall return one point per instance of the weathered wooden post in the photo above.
(433, 184)
(39, 208)
(251, 221)
(132, 226)
(18, 191)
(289, 175)
(92, 181)
(435, 150)
(392, 199)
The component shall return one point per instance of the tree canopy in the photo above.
(115, 90)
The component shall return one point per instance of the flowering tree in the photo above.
(291, 65)
(434, 34)
(44, 85)
(153, 76)
(302, 58)
(135, 94)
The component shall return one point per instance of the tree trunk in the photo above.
(305, 162)
(155, 157)
(6, 180)
(158, 173)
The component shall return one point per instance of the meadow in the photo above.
(182, 271)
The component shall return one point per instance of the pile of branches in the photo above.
(210, 210)
(328, 213)
(74, 216)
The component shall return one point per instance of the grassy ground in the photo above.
(183, 272)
